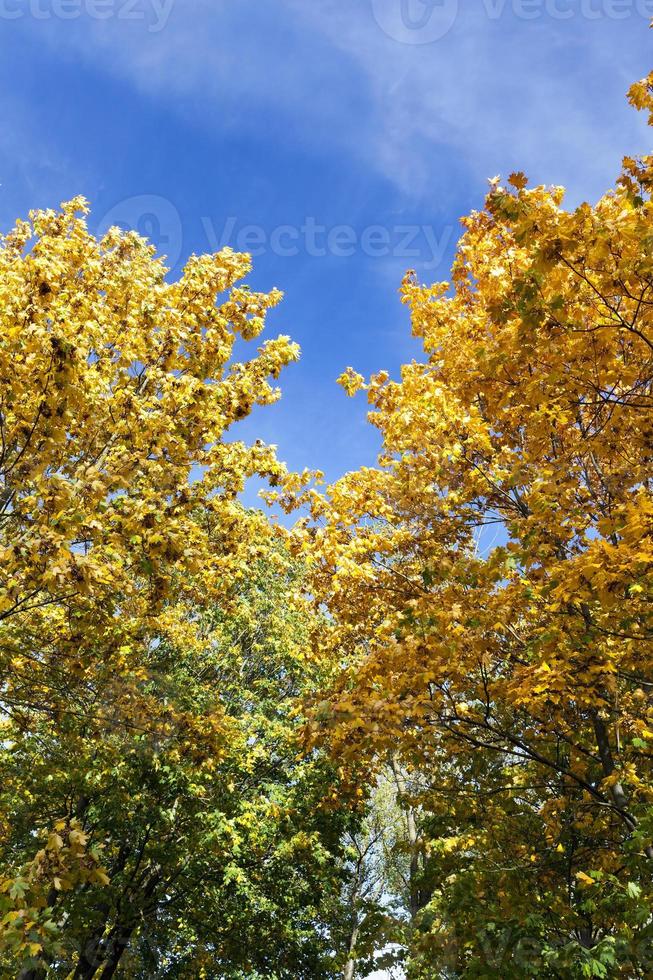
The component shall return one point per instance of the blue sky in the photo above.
(342, 139)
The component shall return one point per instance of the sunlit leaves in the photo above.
(490, 581)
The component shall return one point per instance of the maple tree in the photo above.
(116, 386)
(423, 716)
(490, 583)
(218, 852)
(117, 390)
(155, 806)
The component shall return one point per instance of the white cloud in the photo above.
(546, 95)
(495, 92)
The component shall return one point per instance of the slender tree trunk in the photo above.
(617, 791)
(418, 897)
(415, 893)
(350, 965)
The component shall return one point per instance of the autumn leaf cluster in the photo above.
(421, 719)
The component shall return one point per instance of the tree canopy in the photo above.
(417, 725)
(490, 585)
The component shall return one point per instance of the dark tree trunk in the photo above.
(33, 973)
(117, 946)
(92, 956)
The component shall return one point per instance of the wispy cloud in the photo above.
(497, 91)
(543, 94)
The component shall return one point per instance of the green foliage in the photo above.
(216, 837)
